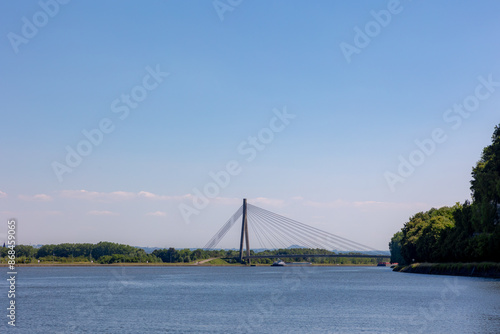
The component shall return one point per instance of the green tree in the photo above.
(110, 248)
(167, 255)
(465, 232)
(421, 240)
(45, 250)
(26, 251)
(395, 248)
(485, 187)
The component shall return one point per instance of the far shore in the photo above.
(86, 264)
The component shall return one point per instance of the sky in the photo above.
(148, 123)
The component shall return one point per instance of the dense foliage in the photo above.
(463, 233)
(103, 252)
(107, 252)
(395, 248)
(172, 255)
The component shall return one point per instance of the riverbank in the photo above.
(482, 269)
(191, 264)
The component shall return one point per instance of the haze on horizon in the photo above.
(147, 124)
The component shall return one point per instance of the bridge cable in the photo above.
(254, 224)
(317, 231)
(310, 242)
(256, 233)
(278, 227)
(310, 237)
(214, 241)
(280, 233)
(337, 240)
(267, 233)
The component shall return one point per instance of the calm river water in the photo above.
(248, 300)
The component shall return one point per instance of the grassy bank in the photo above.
(482, 269)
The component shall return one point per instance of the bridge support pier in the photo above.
(244, 232)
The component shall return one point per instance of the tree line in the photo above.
(108, 252)
(316, 260)
(102, 252)
(468, 232)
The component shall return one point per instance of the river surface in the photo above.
(248, 300)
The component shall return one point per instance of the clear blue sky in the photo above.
(354, 116)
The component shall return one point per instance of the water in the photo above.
(249, 300)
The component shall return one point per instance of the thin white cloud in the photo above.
(331, 204)
(37, 197)
(149, 195)
(52, 213)
(102, 213)
(2, 194)
(98, 196)
(121, 195)
(117, 196)
(267, 201)
(216, 200)
(364, 204)
(339, 203)
(228, 200)
(157, 214)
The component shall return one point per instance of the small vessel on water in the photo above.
(281, 263)
(278, 263)
(384, 264)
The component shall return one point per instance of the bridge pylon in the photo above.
(244, 232)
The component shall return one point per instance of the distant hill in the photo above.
(149, 250)
(296, 246)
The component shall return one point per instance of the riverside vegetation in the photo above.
(463, 233)
(109, 253)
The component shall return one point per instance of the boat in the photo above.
(278, 263)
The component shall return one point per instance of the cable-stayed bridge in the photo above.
(272, 231)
